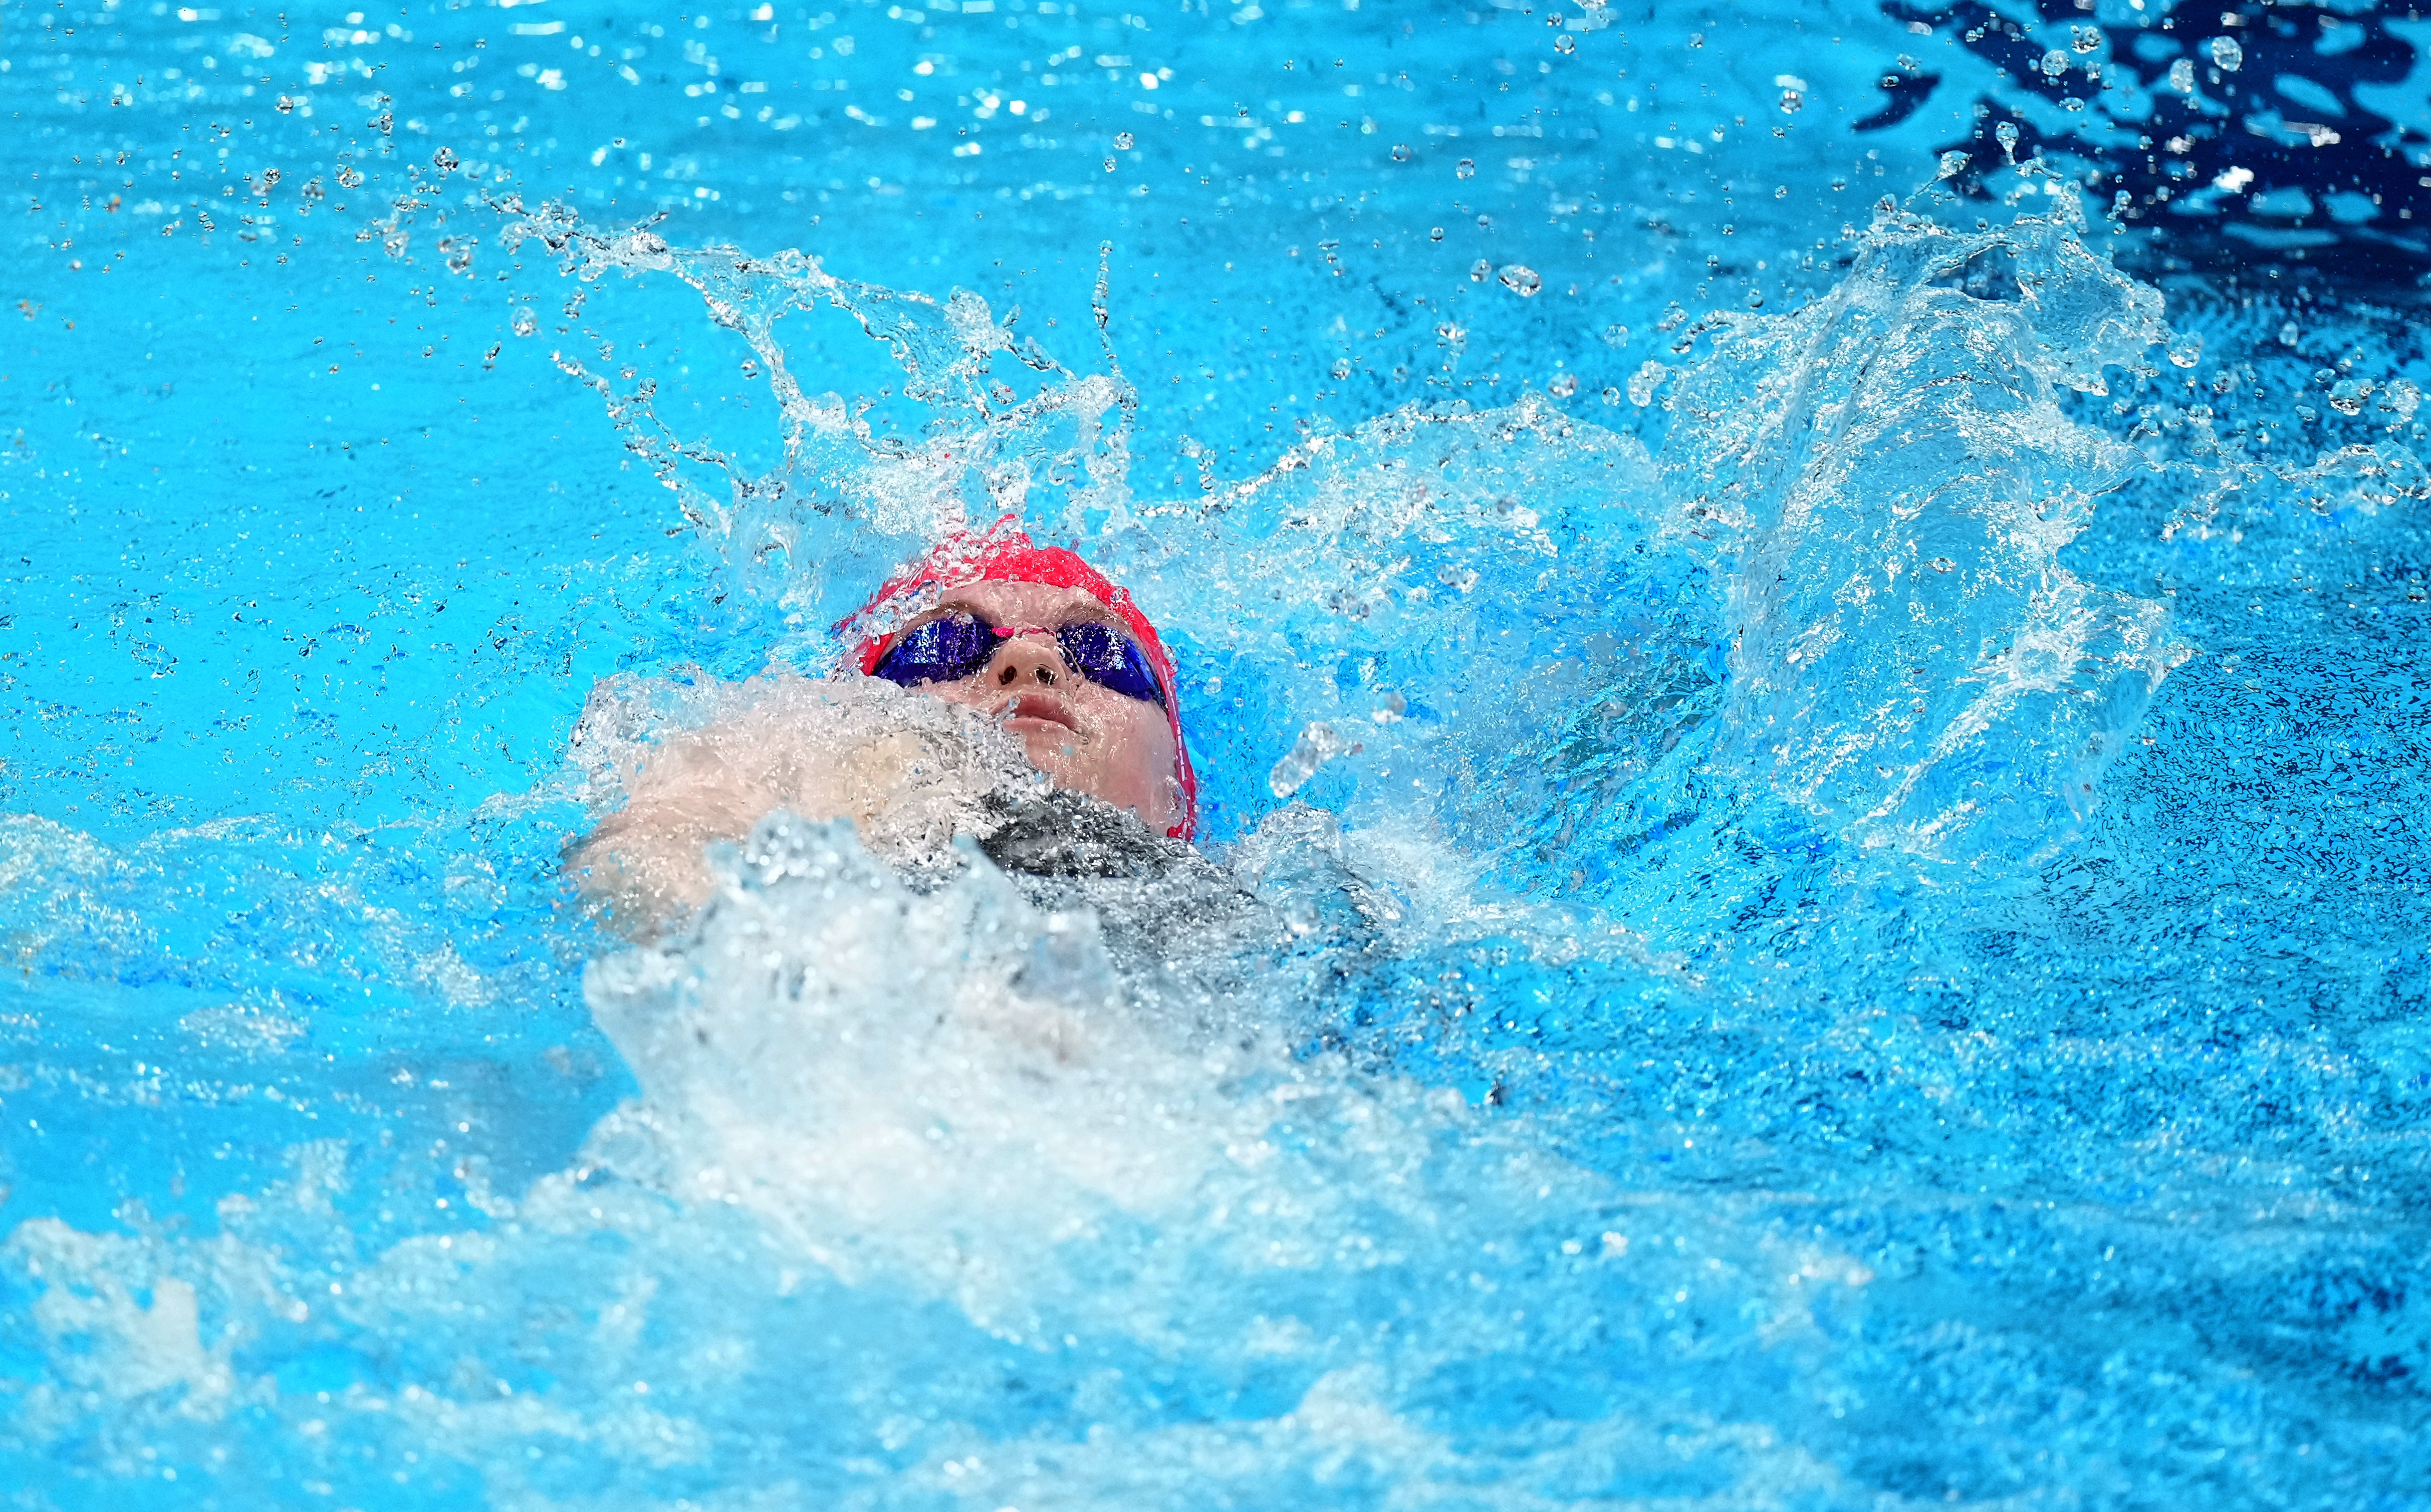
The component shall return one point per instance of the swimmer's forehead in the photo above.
(1026, 603)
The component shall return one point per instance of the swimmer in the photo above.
(1030, 639)
(1036, 639)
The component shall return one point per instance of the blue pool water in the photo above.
(1814, 758)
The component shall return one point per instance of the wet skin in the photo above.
(1083, 736)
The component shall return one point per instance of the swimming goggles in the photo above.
(952, 646)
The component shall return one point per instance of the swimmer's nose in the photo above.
(1027, 659)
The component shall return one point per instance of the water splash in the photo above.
(1890, 480)
(848, 497)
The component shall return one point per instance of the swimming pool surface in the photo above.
(1806, 623)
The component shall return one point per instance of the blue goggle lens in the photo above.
(952, 646)
(1110, 660)
(938, 651)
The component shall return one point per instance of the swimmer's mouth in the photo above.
(1033, 710)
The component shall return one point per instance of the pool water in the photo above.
(1811, 720)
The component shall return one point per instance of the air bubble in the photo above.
(1109, 165)
(1122, 141)
(2182, 75)
(1479, 271)
(1643, 382)
(2055, 63)
(1616, 335)
(2187, 350)
(445, 161)
(525, 322)
(1341, 368)
(2227, 54)
(1565, 44)
(1522, 280)
(2289, 335)
(1791, 102)
(1401, 152)
(1435, 234)
(1465, 168)
(1612, 396)
(1563, 386)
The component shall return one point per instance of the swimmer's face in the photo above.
(1082, 735)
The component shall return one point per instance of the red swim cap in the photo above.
(1005, 554)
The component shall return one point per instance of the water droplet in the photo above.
(525, 322)
(750, 368)
(2289, 334)
(1755, 300)
(2055, 63)
(1616, 335)
(1341, 368)
(2006, 134)
(1122, 141)
(1435, 234)
(1563, 386)
(1791, 102)
(1612, 396)
(1479, 271)
(1952, 162)
(445, 161)
(1465, 168)
(1565, 44)
(1642, 383)
(1400, 153)
(1109, 165)
(1696, 38)
(285, 105)
(2182, 75)
(2227, 54)
(1522, 280)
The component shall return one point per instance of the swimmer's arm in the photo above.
(645, 861)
